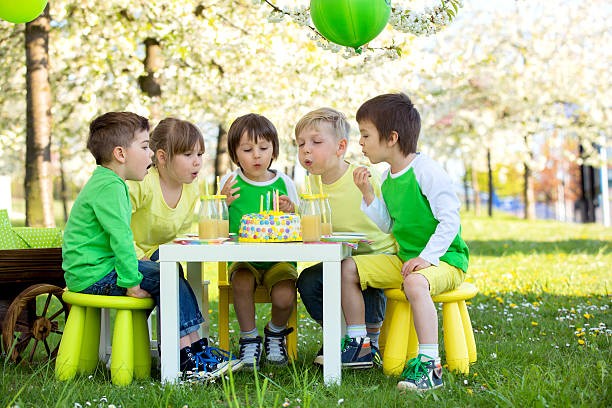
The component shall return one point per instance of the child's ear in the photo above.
(342, 146)
(393, 138)
(119, 153)
(162, 157)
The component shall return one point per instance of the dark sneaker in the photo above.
(250, 353)
(202, 349)
(201, 365)
(356, 352)
(276, 346)
(319, 358)
(376, 358)
(421, 374)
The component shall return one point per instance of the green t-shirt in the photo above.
(412, 196)
(98, 237)
(250, 199)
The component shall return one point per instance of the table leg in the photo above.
(169, 321)
(194, 277)
(331, 323)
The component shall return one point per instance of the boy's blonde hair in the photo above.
(334, 118)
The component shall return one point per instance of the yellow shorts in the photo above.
(267, 277)
(385, 272)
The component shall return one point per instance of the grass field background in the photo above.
(541, 321)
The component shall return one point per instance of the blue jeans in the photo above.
(310, 286)
(190, 316)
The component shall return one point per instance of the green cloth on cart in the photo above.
(27, 237)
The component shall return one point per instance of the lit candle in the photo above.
(261, 203)
(268, 200)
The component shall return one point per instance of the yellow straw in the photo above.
(320, 185)
(308, 189)
(218, 186)
(206, 186)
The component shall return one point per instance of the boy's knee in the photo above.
(283, 294)
(349, 271)
(415, 285)
(243, 280)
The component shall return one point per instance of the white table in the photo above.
(194, 255)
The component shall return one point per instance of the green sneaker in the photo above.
(422, 373)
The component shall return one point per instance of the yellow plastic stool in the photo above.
(398, 337)
(261, 296)
(78, 351)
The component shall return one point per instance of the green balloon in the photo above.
(351, 23)
(21, 11)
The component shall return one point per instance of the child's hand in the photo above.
(145, 258)
(285, 204)
(137, 292)
(228, 191)
(361, 177)
(413, 265)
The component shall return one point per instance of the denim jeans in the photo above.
(190, 316)
(310, 286)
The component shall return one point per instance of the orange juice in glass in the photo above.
(326, 220)
(209, 218)
(223, 216)
(310, 218)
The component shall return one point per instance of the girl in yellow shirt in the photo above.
(163, 207)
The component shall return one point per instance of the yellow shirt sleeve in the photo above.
(155, 223)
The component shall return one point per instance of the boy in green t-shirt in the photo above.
(98, 252)
(419, 206)
(322, 139)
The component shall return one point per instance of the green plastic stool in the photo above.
(78, 351)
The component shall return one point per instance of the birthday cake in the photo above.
(270, 226)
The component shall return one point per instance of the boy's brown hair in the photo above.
(334, 118)
(393, 112)
(111, 130)
(255, 126)
(175, 136)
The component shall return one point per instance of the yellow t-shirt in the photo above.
(153, 222)
(345, 202)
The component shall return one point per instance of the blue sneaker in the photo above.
(422, 373)
(356, 352)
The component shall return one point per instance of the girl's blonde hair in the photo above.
(175, 136)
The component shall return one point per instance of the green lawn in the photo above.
(541, 320)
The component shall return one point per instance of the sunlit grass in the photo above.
(541, 321)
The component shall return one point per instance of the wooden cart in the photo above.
(24, 275)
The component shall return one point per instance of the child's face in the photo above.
(138, 156)
(254, 158)
(318, 149)
(370, 143)
(186, 166)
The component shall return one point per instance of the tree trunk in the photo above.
(476, 189)
(466, 189)
(490, 174)
(528, 194)
(38, 178)
(63, 188)
(150, 84)
(222, 159)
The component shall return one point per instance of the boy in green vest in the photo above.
(420, 208)
(322, 137)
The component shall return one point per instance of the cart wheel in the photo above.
(39, 329)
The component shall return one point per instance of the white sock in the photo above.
(249, 334)
(430, 350)
(357, 330)
(374, 338)
(274, 328)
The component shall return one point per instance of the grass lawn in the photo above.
(541, 320)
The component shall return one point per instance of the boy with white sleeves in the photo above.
(420, 208)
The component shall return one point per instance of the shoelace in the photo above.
(207, 362)
(415, 368)
(274, 342)
(345, 342)
(250, 351)
(218, 354)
